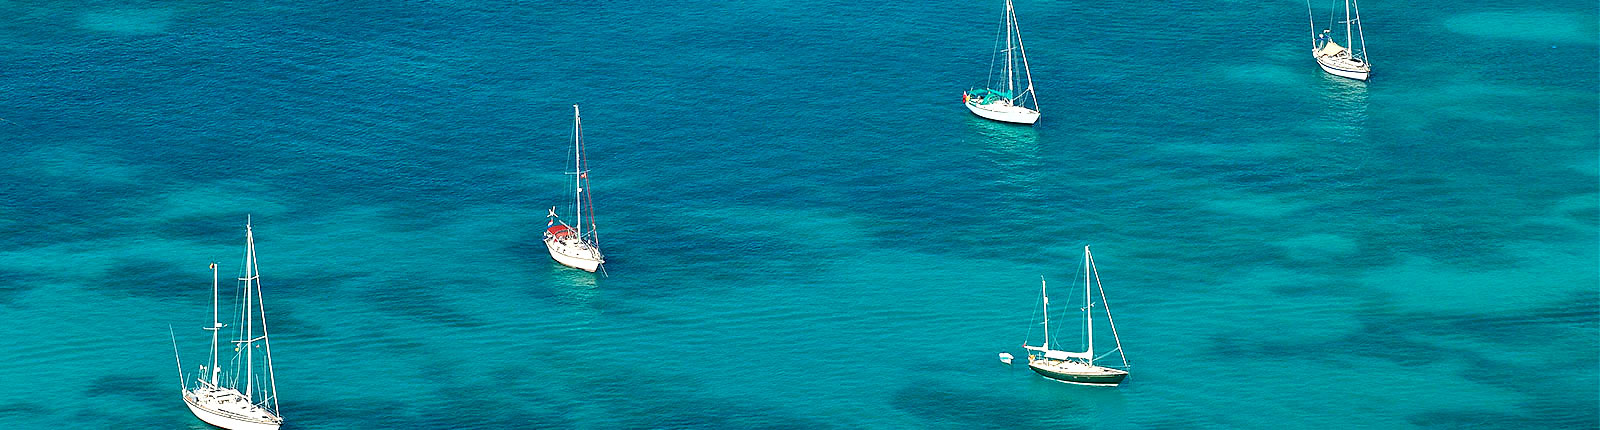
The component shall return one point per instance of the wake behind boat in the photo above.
(215, 396)
(1005, 103)
(1078, 367)
(568, 244)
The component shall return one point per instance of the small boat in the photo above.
(1078, 367)
(215, 395)
(1340, 60)
(1005, 103)
(1005, 357)
(570, 245)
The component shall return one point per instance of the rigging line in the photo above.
(1313, 21)
(1025, 69)
(174, 337)
(1331, 14)
(1363, 33)
(272, 378)
(1033, 321)
(1084, 336)
(994, 54)
(1107, 305)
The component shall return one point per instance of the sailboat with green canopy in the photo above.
(1009, 100)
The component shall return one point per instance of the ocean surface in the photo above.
(805, 228)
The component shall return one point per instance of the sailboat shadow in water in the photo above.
(994, 134)
(579, 288)
(1342, 148)
(1346, 102)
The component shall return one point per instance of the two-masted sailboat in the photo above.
(571, 245)
(1008, 102)
(1340, 60)
(215, 395)
(1078, 367)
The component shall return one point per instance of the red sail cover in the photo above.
(558, 230)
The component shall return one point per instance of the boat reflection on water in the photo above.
(574, 287)
(1001, 134)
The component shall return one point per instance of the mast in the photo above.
(249, 327)
(577, 167)
(1042, 293)
(1088, 305)
(216, 326)
(1010, 73)
(1347, 25)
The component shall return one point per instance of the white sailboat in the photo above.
(1078, 367)
(1340, 60)
(570, 245)
(1005, 103)
(215, 395)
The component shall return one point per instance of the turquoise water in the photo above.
(805, 229)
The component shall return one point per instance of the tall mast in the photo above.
(1046, 313)
(1010, 24)
(1088, 305)
(249, 328)
(577, 166)
(1347, 25)
(216, 326)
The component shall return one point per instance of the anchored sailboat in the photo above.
(214, 396)
(1340, 60)
(570, 245)
(1078, 367)
(1008, 102)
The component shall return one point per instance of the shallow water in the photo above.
(805, 230)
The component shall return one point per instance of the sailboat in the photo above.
(1005, 103)
(1340, 60)
(1078, 367)
(214, 395)
(570, 245)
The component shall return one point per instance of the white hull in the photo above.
(1004, 112)
(1333, 67)
(228, 421)
(575, 255)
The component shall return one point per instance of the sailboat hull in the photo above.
(1004, 112)
(573, 253)
(1344, 68)
(1072, 372)
(230, 414)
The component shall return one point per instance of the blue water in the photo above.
(805, 229)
